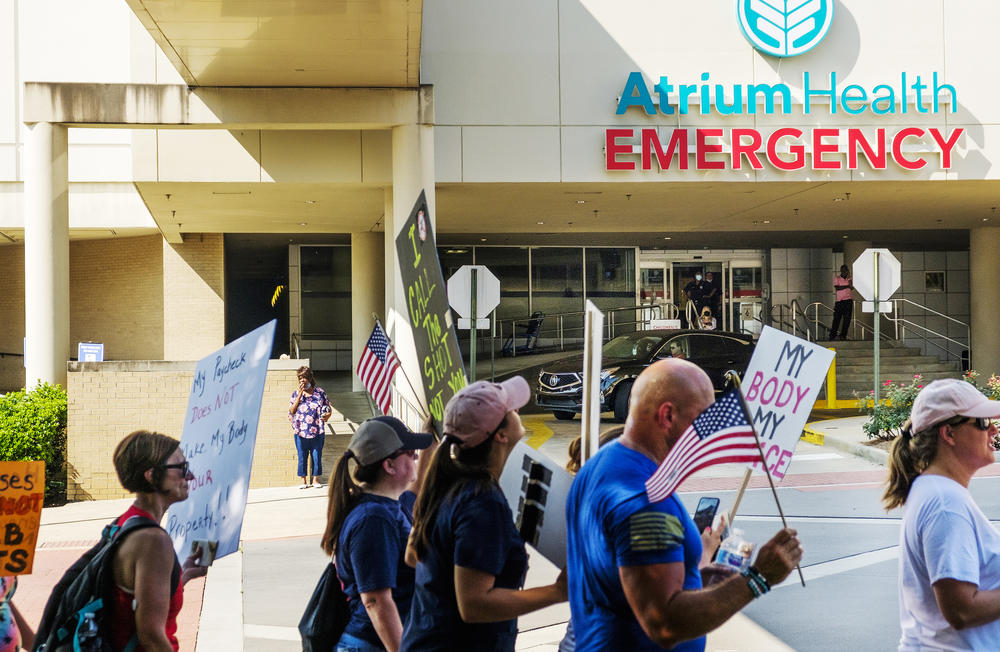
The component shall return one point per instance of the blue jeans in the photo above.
(348, 643)
(310, 448)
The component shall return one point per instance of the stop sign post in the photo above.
(876, 276)
(473, 292)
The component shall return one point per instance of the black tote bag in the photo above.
(326, 614)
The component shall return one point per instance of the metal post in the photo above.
(472, 331)
(493, 342)
(877, 320)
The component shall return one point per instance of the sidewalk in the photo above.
(252, 600)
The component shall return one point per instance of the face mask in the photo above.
(697, 277)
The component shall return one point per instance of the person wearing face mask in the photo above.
(697, 291)
(308, 410)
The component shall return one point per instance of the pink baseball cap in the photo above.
(477, 410)
(946, 398)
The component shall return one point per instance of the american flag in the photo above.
(377, 366)
(719, 435)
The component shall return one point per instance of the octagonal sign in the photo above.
(889, 274)
(460, 291)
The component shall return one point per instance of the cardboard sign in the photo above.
(780, 387)
(220, 429)
(22, 493)
(441, 368)
(536, 489)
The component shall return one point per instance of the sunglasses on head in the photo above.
(183, 466)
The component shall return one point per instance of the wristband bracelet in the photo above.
(756, 582)
(760, 578)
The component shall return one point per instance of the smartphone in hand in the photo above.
(704, 515)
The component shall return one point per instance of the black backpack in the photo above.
(326, 614)
(76, 614)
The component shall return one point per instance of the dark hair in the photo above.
(909, 456)
(450, 470)
(344, 495)
(138, 452)
(305, 372)
(575, 447)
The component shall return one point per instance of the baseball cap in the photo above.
(379, 437)
(943, 399)
(476, 410)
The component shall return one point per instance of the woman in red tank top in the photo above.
(153, 467)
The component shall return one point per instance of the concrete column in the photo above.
(46, 253)
(853, 249)
(367, 292)
(983, 246)
(412, 171)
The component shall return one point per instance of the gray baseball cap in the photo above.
(380, 437)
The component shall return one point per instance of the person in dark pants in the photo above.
(308, 410)
(844, 307)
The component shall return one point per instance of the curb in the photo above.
(813, 435)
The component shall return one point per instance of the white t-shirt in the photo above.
(944, 535)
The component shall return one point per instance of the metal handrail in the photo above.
(796, 311)
(653, 311)
(925, 334)
(295, 345)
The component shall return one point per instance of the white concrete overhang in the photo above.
(314, 43)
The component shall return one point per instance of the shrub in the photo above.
(885, 421)
(33, 427)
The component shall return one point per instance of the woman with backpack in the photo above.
(153, 467)
(368, 522)
(470, 560)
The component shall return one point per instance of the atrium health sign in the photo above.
(785, 28)
(220, 429)
(780, 387)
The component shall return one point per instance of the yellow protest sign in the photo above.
(22, 492)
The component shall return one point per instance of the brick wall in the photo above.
(111, 399)
(193, 293)
(11, 317)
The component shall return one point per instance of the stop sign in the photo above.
(460, 291)
(889, 274)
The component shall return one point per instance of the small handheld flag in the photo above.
(377, 366)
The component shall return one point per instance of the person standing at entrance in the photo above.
(695, 291)
(844, 307)
(308, 410)
(713, 297)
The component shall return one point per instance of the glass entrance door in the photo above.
(746, 285)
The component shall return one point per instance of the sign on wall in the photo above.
(220, 430)
(780, 386)
(785, 28)
(22, 493)
(90, 351)
(441, 368)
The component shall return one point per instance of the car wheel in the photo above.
(622, 394)
(563, 415)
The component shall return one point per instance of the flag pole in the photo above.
(423, 409)
(763, 460)
(735, 379)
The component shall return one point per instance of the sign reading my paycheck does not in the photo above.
(780, 387)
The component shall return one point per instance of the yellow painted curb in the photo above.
(812, 436)
(540, 432)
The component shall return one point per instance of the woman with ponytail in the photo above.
(367, 525)
(949, 563)
(470, 559)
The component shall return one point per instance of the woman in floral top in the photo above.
(308, 411)
(14, 631)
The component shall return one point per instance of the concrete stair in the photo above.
(897, 363)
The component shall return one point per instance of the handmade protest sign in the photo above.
(22, 492)
(536, 489)
(780, 387)
(441, 366)
(220, 429)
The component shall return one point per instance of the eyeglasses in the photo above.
(184, 467)
(981, 423)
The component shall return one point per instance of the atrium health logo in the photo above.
(785, 28)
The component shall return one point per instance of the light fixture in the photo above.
(482, 239)
(767, 221)
(844, 237)
(310, 201)
(581, 201)
(539, 223)
(667, 237)
(303, 224)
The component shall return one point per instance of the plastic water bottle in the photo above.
(735, 551)
(87, 635)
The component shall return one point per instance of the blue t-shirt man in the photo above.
(609, 524)
(370, 558)
(473, 530)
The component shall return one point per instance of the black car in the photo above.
(560, 385)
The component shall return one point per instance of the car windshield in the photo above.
(631, 346)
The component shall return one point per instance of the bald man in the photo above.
(633, 566)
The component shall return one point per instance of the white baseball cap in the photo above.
(943, 399)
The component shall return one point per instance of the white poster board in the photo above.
(780, 387)
(220, 429)
(536, 489)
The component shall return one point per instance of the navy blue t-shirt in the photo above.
(370, 557)
(473, 531)
(610, 523)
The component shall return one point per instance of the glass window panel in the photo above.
(611, 283)
(510, 265)
(557, 286)
(326, 291)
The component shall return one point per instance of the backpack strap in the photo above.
(137, 522)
